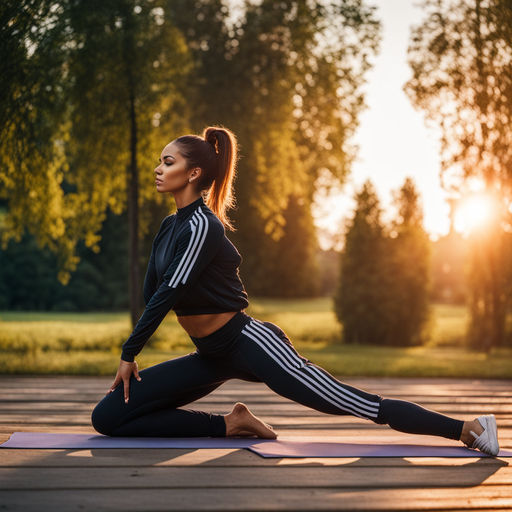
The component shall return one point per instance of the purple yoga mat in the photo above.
(273, 448)
(262, 447)
(68, 440)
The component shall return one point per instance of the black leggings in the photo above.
(252, 350)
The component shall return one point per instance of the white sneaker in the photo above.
(487, 441)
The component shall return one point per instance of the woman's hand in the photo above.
(124, 373)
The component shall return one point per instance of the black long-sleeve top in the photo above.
(193, 269)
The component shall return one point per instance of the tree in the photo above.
(286, 77)
(121, 78)
(33, 111)
(489, 296)
(118, 69)
(361, 293)
(28, 274)
(382, 296)
(408, 257)
(461, 59)
(130, 59)
(296, 268)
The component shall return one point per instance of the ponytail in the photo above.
(216, 153)
(220, 196)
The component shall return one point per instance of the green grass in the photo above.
(449, 325)
(90, 343)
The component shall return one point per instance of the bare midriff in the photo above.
(200, 326)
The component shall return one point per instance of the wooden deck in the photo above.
(237, 479)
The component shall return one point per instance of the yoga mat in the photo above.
(68, 440)
(262, 447)
(273, 448)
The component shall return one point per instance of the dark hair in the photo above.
(216, 153)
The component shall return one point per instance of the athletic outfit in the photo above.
(193, 240)
(193, 269)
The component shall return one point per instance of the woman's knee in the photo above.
(382, 416)
(101, 420)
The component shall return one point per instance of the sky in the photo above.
(393, 139)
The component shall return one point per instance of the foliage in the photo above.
(28, 274)
(33, 126)
(296, 267)
(361, 295)
(490, 294)
(410, 265)
(382, 297)
(461, 62)
(94, 90)
(286, 78)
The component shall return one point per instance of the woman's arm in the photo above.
(151, 279)
(196, 247)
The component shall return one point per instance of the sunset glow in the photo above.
(475, 212)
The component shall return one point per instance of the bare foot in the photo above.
(248, 433)
(466, 437)
(241, 421)
(245, 433)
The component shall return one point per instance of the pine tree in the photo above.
(408, 257)
(358, 301)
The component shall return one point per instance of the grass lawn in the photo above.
(90, 343)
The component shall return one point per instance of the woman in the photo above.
(193, 269)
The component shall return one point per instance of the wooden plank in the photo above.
(396, 385)
(300, 417)
(137, 477)
(250, 498)
(55, 397)
(9, 416)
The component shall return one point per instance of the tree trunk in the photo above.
(133, 216)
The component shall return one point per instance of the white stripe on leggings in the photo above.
(333, 383)
(287, 358)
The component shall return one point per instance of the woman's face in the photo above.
(171, 174)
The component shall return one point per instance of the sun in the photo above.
(475, 212)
